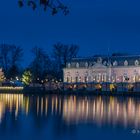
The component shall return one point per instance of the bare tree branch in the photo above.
(54, 5)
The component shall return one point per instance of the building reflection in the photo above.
(102, 110)
(99, 110)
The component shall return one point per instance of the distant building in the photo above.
(103, 69)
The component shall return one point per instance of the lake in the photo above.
(59, 117)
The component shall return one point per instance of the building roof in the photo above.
(114, 61)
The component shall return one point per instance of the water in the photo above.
(57, 117)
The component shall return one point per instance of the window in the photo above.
(125, 63)
(136, 63)
(104, 77)
(98, 77)
(115, 63)
(105, 63)
(86, 64)
(76, 79)
(80, 79)
(89, 79)
(77, 65)
(69, 65)
(68, 79)
(86, 79)
(71, 79)
(99, 60)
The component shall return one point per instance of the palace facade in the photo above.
(103, 69)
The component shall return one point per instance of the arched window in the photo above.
(69, 65)
(76, 79)
(86, 79)
(80, 79)
(136, 62)
(115, 63)
(68, 79)
(86, 64)
(77, 65)
(105, 63)
(99, 60)
(125, 63)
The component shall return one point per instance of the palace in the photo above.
(103, 69)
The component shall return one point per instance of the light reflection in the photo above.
(101, 110)
(27, 105)
(12, 102)
(73, 109)
(2, 111)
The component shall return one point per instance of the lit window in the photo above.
(99, 60)
(136, 63)
(68, 79)
(105, 63)
(115, 63)
(125, 63)
(86, 64)
(77, 65)
(69, 65)
(85, 79)
(76, 79)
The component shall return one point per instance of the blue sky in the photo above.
(94, 25)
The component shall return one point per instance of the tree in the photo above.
(27, 77)
(16, 55)
(4, 56)
(62, 54)
(13, 72)
(54, 5)
(2, 77)
(10, 56)
(40, 64)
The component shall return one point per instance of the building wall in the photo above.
(102, 73)
(126, 74)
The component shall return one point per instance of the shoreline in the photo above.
(42, 91)
(82, 93)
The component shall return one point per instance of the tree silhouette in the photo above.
(54, 5)
(10, 56)
(62, 54)
(40, 64)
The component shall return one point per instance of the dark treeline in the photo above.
(42, 66)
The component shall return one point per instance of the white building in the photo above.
(103, 69)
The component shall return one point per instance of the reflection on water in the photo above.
(76, 109)
(70, 110)
(102, 110)
(10, 102)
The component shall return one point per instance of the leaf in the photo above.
(20, 3)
